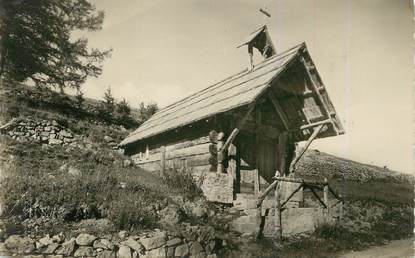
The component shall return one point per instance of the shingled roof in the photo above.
(237, 90)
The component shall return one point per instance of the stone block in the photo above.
(181, 251)
(85, 239)
(67, 248)
(215, 186)
(84, 251)
(20, 244)
(155, 253)
(136, 246)
(124, 252)
(156, 241)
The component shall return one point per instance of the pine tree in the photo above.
(37, 44)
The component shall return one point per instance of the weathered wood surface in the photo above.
(182, 144)
(278, 228)
(220, 154)
(317, 130)
(279, 110)
(257, 182)
(231, 93)
(199, 152)
(326, 196)
(231, 169)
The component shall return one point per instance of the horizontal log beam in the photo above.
(297, 180)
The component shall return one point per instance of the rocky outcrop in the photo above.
(150, 244)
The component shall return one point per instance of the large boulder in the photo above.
(104, 244)
(156, 241)
(181, 251)
(136, 246)
(51, 248)
(156, 253)
(84, 251)
(85, 239)
(67, 247)
(124, 252)
(20, 244)
(106, 254)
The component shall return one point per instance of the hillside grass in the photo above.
(22, 100)
(41, 196)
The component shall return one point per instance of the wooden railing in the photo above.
(309, 184)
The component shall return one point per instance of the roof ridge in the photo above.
(233, 86)
(256, 67)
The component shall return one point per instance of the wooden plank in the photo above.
(195, 160)
(182, 144)
(191, 151)
(279, 110)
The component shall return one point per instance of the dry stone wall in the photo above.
(153, 244)
(26, 129)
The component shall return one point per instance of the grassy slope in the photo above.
(379, 202)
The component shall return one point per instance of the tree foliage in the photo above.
(146, 111)
(37, 42)
(123, 109)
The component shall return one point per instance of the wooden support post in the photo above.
(278, 228)
(163, 159)
(256, 182)
(221, 154)
(232, 162)
(235, 131)
(282, 153)
(307, 144)
(266, 192)
(147, 152)
(258, 122)
(340, 209)
(326, 196)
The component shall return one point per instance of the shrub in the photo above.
(182, 181)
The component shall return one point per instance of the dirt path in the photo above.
(395, 249)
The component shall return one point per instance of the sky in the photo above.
(165, 50)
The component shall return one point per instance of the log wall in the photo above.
(199, 154)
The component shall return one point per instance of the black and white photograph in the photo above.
(207, 129)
